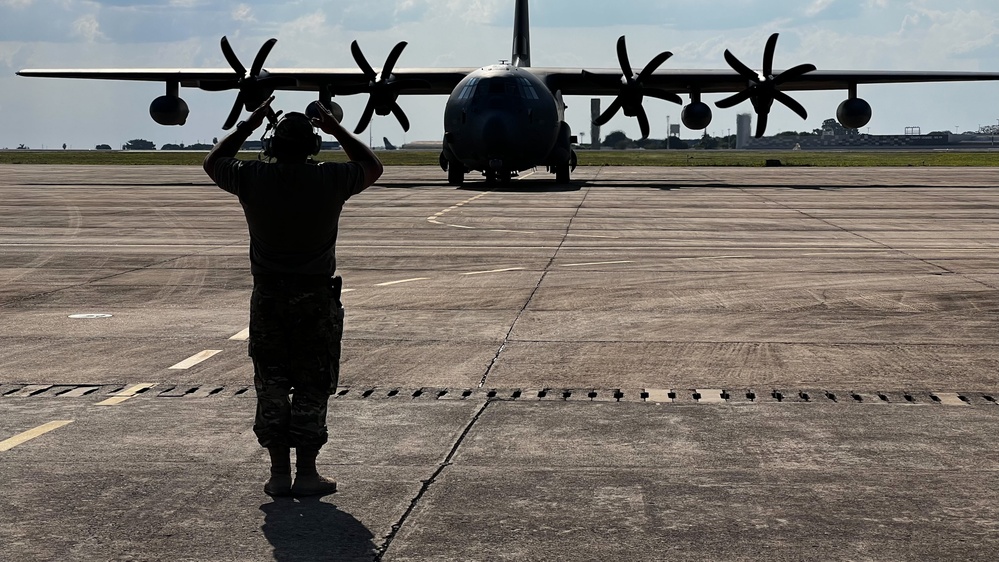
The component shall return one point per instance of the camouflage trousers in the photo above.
(295, 332)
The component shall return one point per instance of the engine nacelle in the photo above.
(696, 116)
(312, 111)
(854, 113)
(169, 110)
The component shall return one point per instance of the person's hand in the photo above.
(326, 122)
(257, 117)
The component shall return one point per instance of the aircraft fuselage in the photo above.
(501, 119)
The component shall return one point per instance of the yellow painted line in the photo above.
(401, 281)
(242, 336)
(596, 263)
(494, 271)
(196, 358)
(126, 394)
(8, 444)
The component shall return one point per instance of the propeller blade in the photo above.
(369, 110)
(768, 55)
(734, 100)
(606, 115)
(622, 57)
(761, 124)
(742, 69)
(401, 116)
(654, 65)
(665, 96)
(393, 58)
(231, 57)
(792, 73)
(234, 113)
(791, 104)
(362, 63)
(258, 61)
(643, 122)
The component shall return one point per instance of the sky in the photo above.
(914, 35)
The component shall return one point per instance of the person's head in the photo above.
(294, 138)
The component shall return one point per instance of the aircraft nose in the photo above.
(496, 135)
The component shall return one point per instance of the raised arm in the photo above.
(356, 150)
(231, 143)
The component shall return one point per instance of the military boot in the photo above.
(308, 482)
(280, 481)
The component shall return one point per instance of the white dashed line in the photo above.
(596, 263)
(196, 358)
(242, 336)
(386, 284)
(126, 394)
(8, 444)
(494, 271)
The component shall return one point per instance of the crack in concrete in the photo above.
(380, 552)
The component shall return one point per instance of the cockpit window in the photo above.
(511, 86)
(527, 89)
(469, 89)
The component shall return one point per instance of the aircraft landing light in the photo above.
(8, 444)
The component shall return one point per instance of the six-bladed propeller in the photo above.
(633, 89)
(764, 89)
(383, 88)
(254, 86)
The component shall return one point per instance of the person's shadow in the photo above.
(309, 529)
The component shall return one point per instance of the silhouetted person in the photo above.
(292, 207)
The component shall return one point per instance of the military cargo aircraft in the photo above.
(505, 118)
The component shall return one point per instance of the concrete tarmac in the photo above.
(649, 364)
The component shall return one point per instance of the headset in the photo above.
(293, 128)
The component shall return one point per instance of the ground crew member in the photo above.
(292, 208)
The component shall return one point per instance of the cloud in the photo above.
(88, 28)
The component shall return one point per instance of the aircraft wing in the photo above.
(601, 82)
(434, 81)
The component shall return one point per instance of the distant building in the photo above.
(743, 126)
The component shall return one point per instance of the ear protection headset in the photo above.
(293, 129)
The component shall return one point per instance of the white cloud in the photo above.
(243, 13)
(817, 7)
(16, 4)
(88, 28)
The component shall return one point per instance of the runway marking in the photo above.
(195, 359)
(714, 258)
(710, 396)
(596, 263)
(494, 271)
(591, 236)
(242, 335)
(433, 219)
(512, 231)
(126, 394)
(387, 283)
(949, 399)
(8, 444)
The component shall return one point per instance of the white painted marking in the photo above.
(710, 396)
(242, 335)
(596, 263)
(591, 236)
(126, 394)
(714, 258)
(347, 290)
(89, 316)
(460, 226)
(494, 271)
(196, 358)
(513, 231)
(658, 395)
(8, 444)
(950, 399)
(386, 284)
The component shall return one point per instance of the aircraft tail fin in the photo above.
(521, 35)
(388, 145)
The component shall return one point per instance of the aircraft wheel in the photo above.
(562, 174)
(455, 175)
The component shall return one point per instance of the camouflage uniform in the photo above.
(296, 326)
